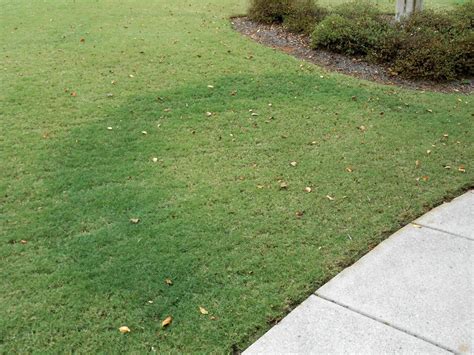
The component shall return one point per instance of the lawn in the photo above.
(92, 91)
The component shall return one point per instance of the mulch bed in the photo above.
(277, 37)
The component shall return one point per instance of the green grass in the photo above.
(69, 185)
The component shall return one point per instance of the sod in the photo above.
(81, 83)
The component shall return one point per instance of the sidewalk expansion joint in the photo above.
(379, 320)
(444, 231)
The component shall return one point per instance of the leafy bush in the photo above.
(303, 16)
(435, 45)
(427, 45)
(354, 29)
(269, 11)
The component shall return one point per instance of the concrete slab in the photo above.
(454, 217)
(318, 326)
(419, 280)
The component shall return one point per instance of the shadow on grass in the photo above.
(213, 217)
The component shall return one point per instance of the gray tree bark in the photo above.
(407, 7)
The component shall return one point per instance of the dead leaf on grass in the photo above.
(124, 329)
(134, 220)
(169, 282)
(293, 163)
(462, 169)
(203, 310)
(167, 321)
(330, 198)
(308, 189)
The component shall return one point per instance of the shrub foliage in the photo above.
(434, 45)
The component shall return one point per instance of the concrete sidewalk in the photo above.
(414, 293)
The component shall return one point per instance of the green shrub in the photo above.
(348, 36)
(425, 54)
(427, 45)
(357, 10)
(303, 16)
(269, 11)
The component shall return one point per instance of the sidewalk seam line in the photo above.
(443, 231)
(379, 320)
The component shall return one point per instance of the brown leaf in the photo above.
(124, 329)
(362, 128)
(167, 321)
(74, 93)
(283, 185)
(425, 178)
(299, 214)
(134, 220)
(83, 40)
(417, 163)
(349, 169)
(23, 241)
(169, 282)
(462, 169)
(203, 310)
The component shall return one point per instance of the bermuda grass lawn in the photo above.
(213, 218)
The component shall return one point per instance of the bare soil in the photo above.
(276, 36)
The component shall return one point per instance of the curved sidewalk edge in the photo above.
(413, 293)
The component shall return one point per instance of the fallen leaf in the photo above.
(445, 135)
(110, 94)
(349, 169)
(208, 114)
(134, 220)
(203, 310)
(169, 282)
(213, 318)
(109, 128)
(144, 133)
(425, 178)
(330, 198)
(294, 163)
(283, 185)
(124, 329)
(210, 86)
(428, 151)
(314, 143)
(131, 76)
(260, 186)
(168, 320)
(416, 225)
(74, 93)
(362, 128)
(299, 214)
(447, 167)
(429, 110)
(254, 114)
(154, 160)
(23, 241)
(462, 169)
(308, 189)
(417, 163)
(82, 40)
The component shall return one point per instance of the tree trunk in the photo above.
(407, 7)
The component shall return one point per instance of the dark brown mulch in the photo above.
(276, 36)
